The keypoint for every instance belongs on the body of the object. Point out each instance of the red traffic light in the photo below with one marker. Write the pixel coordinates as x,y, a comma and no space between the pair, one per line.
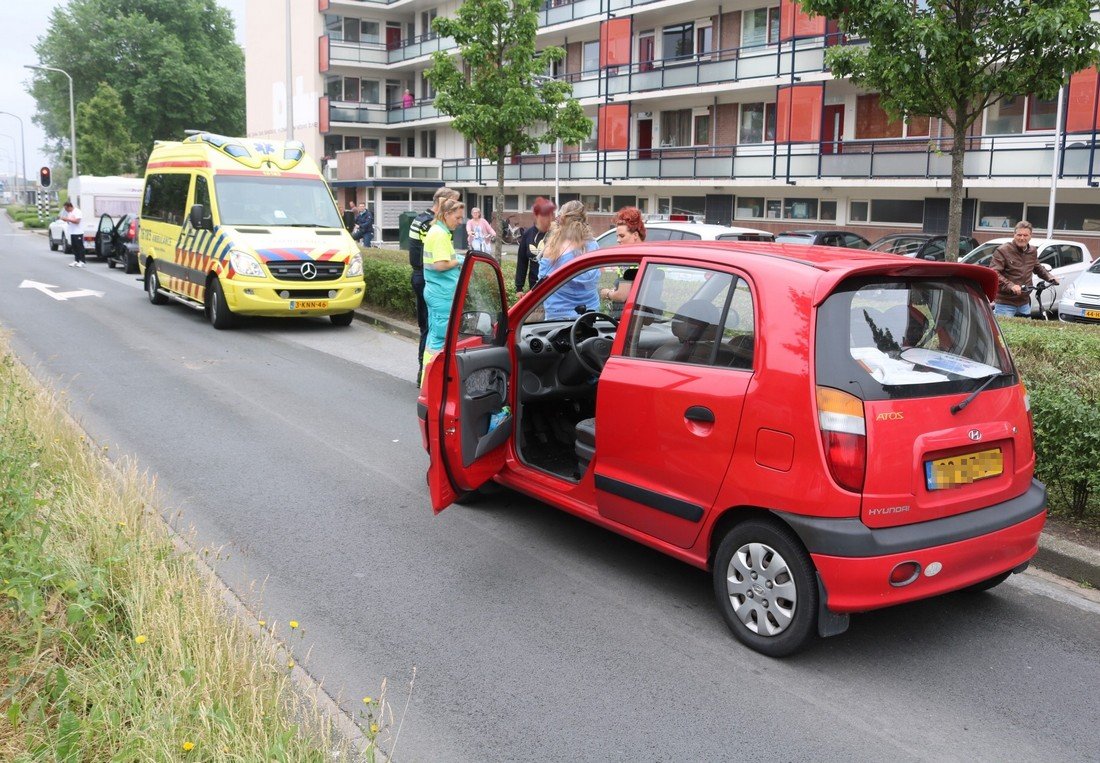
44,177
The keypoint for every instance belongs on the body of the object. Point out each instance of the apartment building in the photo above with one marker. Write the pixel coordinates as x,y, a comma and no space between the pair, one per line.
719,109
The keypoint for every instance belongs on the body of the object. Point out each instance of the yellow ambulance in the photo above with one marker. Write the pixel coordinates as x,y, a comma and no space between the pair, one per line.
234,226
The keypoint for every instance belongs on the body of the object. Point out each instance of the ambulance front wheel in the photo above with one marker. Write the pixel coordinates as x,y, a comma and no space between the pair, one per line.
152,285
221,317
342,319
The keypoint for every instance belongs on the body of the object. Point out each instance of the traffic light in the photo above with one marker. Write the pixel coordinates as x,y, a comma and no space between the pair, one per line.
44,178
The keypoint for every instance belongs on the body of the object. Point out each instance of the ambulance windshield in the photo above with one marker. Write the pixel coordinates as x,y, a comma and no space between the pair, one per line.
299,202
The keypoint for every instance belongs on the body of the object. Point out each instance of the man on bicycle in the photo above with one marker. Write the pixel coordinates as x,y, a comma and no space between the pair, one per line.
1015,262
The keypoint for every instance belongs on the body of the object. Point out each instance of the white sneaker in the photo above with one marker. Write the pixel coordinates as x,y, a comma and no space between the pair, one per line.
80,264
73,264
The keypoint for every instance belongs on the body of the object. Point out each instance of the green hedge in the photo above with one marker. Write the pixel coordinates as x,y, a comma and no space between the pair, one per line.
29,216
1058,362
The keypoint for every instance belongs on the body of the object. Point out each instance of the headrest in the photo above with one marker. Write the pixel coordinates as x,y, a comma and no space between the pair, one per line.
696,321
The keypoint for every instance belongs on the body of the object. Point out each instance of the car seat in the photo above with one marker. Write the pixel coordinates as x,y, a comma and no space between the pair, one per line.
585,446
695,326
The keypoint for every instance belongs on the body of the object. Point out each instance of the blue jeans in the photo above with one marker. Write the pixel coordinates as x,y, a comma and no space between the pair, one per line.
1012,311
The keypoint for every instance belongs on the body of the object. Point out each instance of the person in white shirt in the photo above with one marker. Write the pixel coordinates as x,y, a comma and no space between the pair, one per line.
73,218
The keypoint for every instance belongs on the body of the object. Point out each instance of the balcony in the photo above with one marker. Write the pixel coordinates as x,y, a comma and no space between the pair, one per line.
990,157
343,53
357,165
378,114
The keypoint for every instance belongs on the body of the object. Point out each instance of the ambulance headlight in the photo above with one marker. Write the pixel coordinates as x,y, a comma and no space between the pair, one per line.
355,266
245,264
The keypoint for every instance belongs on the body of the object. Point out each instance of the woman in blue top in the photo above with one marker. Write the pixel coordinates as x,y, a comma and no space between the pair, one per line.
441,270
570,238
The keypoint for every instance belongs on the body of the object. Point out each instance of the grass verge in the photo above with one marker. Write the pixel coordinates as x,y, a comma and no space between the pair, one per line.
112,644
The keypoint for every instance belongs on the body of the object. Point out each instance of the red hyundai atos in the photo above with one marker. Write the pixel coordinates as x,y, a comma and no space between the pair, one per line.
827,431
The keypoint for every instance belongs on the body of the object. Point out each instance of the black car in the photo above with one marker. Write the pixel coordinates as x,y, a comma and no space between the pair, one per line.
116,242
823,238
923,246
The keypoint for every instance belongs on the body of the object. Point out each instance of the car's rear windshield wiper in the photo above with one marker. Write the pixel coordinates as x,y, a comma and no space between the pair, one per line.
969,398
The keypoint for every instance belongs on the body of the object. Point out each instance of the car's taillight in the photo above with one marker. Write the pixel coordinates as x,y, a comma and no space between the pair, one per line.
1030,420
131,232
843,435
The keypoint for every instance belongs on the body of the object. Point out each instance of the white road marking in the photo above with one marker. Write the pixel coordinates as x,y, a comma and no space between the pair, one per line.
60,296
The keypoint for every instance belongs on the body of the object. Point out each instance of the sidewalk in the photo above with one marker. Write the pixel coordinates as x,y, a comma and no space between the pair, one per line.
1067,558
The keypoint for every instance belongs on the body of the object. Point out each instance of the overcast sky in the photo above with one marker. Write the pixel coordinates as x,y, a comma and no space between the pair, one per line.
23,23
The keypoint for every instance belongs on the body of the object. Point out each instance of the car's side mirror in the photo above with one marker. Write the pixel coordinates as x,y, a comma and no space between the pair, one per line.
196,215
476,323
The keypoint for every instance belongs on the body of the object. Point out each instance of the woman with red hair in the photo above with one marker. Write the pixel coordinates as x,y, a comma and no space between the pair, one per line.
629,229
531,244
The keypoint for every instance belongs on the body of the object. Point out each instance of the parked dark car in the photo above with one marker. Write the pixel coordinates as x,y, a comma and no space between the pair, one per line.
923,246
823,238
116,242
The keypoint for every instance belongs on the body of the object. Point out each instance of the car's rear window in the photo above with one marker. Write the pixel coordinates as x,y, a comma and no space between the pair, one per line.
901,338
794,238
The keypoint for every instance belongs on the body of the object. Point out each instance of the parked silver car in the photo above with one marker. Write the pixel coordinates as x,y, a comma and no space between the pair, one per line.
1080,301
1066,259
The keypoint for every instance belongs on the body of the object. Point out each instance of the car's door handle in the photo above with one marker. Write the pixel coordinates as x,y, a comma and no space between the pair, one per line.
699,413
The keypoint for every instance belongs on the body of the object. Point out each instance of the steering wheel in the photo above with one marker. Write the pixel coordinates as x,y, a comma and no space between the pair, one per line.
593,352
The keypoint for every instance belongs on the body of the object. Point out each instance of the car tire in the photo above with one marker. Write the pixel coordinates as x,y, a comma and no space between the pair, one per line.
766,588
342,319
985,585
221,317
65,247
152,285
53,244
111,263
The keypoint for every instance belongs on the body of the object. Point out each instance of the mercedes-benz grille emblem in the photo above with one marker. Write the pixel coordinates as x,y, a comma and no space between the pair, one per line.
309,271
974,434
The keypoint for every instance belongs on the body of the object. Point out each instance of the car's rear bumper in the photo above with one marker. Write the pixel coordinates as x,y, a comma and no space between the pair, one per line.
855,561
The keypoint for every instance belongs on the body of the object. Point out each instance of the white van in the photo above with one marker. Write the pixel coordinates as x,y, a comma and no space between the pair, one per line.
95,197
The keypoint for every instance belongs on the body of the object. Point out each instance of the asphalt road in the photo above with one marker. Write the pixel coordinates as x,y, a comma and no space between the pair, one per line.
293,446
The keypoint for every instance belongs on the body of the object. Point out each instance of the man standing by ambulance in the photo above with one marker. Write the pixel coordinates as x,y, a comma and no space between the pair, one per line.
74,228
418,229
1015,262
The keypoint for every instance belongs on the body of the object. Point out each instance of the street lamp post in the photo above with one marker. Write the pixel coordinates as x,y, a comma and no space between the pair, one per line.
22,152
72,109
543,79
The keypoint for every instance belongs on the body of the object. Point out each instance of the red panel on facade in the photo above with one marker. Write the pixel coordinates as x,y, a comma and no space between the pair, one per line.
1081,112
322,115
322,5
795,22
322,53
615,42
613,131
798,113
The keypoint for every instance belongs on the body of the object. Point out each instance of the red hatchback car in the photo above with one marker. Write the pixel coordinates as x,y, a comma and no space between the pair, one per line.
827,431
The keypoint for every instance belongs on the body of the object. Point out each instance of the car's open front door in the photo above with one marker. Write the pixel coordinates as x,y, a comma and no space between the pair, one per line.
468,386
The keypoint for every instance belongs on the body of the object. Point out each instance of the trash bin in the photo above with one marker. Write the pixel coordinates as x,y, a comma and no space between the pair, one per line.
404,222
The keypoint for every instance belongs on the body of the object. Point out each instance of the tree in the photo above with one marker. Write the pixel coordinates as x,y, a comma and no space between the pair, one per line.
174,64
952,59
103,134
500,99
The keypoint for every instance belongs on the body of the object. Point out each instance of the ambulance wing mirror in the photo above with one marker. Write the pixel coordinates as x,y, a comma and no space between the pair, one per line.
196,216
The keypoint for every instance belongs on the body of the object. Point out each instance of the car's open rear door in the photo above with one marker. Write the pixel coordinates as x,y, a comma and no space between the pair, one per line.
466,384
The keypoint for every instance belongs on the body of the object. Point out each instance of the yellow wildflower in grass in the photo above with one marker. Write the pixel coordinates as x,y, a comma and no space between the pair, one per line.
293,623
139,640
374,728
188,746
367,700
290,663
263,623
121,524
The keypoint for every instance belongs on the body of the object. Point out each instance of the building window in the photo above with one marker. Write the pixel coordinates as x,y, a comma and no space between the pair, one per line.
676,128
757,123
749,208
1075,217
664,205
1005,116
701,129
596,203
368,91
704,40
676,42
511,202
427,144
1042,113
426,19
898,211
760,26
1000,214
591,63
689,205
827,210
618,202
800,209
859,211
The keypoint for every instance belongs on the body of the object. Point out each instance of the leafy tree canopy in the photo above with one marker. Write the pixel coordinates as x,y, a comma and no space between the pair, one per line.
173,63
103,134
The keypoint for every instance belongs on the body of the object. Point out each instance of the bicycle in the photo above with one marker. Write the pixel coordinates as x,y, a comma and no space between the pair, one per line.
1037,291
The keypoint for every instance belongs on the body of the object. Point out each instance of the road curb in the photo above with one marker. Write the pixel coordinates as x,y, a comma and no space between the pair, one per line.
393,325
1068,559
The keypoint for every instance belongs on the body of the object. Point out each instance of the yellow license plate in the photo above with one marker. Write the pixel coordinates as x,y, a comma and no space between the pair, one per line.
1092,314
963,469
309,304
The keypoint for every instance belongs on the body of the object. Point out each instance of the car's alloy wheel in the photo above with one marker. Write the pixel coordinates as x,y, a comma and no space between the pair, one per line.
766,588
